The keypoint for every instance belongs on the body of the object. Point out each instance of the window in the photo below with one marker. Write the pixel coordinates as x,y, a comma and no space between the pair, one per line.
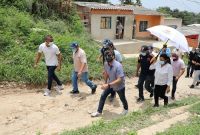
105,23
143,26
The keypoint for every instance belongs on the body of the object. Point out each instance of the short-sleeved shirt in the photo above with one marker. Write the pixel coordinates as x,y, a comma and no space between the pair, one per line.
115,71
80,58
50,54
145,64
118,56
177,66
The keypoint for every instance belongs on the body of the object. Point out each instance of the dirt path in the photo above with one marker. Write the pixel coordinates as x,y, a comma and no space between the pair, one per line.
27,113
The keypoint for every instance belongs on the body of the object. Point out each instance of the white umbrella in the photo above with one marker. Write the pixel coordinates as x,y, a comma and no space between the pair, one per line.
170,34
159,45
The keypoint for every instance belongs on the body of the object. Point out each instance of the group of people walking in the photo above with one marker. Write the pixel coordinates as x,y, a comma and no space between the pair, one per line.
156,73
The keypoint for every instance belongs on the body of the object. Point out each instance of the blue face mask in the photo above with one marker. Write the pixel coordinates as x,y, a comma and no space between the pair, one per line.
143,54
162,62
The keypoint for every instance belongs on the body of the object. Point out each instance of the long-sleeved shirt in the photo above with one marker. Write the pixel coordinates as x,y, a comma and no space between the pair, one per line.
163,75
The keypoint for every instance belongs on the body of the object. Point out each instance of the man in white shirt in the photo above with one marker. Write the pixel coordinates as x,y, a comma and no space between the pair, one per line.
53,61
178,70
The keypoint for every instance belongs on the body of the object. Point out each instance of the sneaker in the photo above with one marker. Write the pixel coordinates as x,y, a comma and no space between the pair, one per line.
95,114
74,92
173,98
192,86
156,105
139,100
94,89
47,92
61,87
58,90
124,112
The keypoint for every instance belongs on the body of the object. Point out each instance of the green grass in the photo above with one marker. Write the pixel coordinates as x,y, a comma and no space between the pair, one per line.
128,124
191,127
20,36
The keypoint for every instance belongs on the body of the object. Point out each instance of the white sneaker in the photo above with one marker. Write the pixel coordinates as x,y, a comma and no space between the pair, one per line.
95,114
47,92
61,87
124,112
58,91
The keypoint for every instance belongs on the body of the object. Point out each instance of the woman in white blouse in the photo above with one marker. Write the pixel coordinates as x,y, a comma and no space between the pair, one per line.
163,78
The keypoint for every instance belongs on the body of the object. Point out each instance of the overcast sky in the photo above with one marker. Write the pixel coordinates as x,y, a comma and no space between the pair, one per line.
189,5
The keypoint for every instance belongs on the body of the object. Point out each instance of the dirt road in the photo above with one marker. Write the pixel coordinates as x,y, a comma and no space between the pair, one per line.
28,113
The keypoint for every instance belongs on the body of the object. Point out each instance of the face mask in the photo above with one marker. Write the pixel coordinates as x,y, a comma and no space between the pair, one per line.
109,58
143,54
74,50
162,62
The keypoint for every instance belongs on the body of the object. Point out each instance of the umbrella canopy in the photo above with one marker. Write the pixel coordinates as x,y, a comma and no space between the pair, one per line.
175,38
159,45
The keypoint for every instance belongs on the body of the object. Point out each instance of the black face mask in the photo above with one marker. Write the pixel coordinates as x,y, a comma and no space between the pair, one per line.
109,58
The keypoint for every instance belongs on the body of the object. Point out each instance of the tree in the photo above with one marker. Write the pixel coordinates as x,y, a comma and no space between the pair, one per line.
187,17
130,2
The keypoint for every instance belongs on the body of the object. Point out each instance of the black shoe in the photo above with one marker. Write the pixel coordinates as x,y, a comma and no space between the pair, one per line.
186,76
197,83
94,89
155,105
192,86
136,86
151,95
139,100
74,92
173,98
166,102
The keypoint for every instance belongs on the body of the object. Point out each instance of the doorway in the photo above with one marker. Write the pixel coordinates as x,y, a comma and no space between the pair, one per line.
134,29
120,23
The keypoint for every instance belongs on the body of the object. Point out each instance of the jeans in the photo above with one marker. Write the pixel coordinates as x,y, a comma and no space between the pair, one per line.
190,69
142,79
174,86
52,76
104,95
196,77
160,92
84,78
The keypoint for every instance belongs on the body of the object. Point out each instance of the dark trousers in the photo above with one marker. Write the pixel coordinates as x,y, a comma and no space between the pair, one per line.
104,95
159,91
174,86
149,83
52,76
142,79
190,69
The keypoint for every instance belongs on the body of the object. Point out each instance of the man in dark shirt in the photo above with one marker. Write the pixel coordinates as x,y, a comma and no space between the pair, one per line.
196,62
190,67
145,74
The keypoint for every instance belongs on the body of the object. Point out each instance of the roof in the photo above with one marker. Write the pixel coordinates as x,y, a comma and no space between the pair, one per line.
136,10
190,30
95,5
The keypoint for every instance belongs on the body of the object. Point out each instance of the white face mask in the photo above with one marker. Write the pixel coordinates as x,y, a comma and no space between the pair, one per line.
49,44
162,62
